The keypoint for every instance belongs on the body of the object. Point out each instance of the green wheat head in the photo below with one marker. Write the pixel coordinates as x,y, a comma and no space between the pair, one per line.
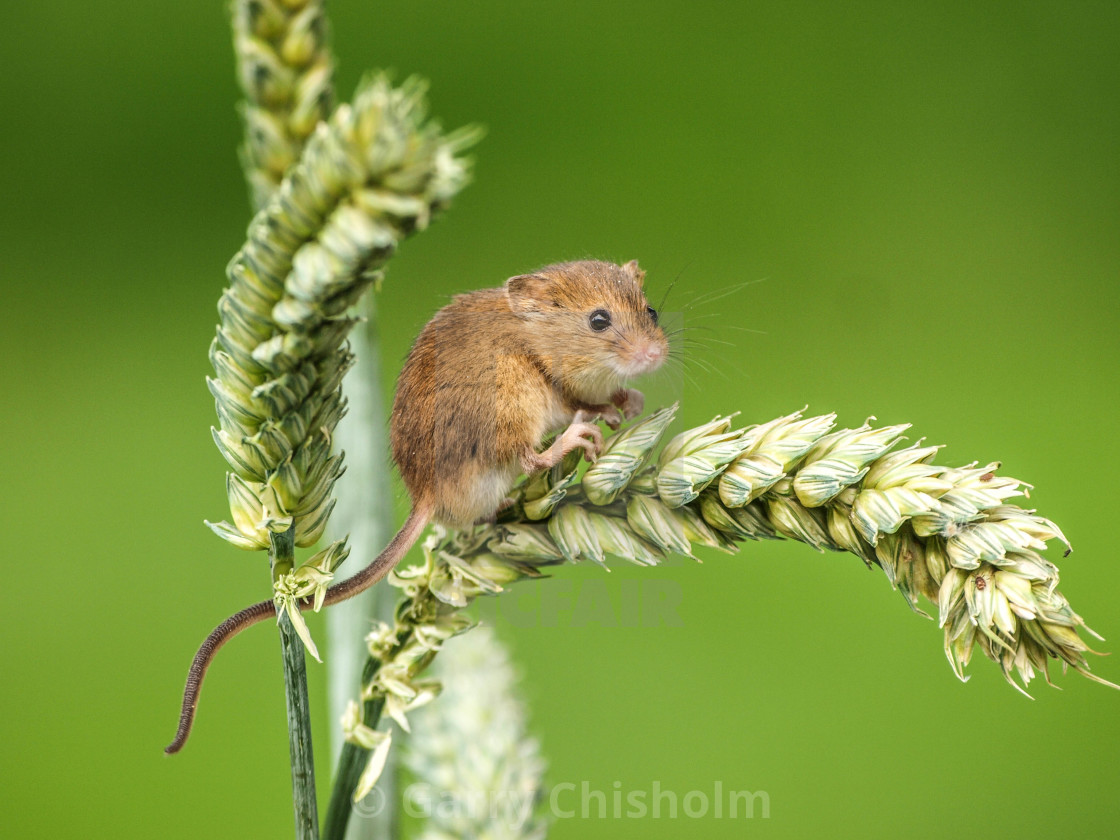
284,66
373,174
944,533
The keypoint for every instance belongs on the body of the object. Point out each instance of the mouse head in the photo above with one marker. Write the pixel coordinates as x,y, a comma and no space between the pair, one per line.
590,322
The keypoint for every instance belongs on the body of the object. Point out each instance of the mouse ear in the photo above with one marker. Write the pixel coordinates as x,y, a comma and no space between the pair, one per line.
632,269
527,293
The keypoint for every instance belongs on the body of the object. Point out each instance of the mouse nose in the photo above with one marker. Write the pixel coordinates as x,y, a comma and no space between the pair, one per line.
651,355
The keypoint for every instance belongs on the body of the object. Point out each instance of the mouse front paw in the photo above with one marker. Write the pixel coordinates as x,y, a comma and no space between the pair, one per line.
579,435
593,413
585,436
630,401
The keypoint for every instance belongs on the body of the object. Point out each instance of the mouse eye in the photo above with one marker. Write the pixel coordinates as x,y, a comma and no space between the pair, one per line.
652,314
600,319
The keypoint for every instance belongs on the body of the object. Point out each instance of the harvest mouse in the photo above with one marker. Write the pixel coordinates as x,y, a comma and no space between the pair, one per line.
490,376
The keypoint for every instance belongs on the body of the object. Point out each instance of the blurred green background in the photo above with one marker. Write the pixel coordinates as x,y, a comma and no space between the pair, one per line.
929,195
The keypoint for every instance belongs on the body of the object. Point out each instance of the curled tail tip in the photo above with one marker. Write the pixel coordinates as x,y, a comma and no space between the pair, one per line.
181,735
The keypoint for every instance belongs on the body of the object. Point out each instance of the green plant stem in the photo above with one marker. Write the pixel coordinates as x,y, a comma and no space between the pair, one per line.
281,554
363,516
351,763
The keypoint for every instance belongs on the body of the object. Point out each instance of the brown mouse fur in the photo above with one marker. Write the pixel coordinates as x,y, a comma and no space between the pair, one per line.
490,376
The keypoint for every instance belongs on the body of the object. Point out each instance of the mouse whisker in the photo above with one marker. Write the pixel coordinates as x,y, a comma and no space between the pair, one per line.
672,284
722,325
720,294
707,341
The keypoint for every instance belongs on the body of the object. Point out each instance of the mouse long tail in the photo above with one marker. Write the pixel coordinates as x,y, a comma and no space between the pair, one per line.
386,560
